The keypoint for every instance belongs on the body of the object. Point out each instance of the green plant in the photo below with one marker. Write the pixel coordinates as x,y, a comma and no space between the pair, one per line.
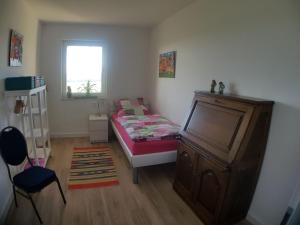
87,88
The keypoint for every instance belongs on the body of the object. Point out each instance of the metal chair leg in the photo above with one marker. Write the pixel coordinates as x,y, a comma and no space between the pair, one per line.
35,209
15,196
61,192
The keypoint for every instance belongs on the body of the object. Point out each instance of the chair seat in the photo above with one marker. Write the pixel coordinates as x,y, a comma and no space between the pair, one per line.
34,179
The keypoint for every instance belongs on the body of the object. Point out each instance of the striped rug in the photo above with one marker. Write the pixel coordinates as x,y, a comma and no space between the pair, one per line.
92,167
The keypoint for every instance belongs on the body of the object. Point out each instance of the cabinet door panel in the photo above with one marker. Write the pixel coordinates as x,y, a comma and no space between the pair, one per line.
185,166
209,189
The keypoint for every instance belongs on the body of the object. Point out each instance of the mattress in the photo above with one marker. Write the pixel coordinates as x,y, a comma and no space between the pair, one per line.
144,147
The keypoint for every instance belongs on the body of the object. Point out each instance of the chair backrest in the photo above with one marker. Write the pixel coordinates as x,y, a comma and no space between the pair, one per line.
13,146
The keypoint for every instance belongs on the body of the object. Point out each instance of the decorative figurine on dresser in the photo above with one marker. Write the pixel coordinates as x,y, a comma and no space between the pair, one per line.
213,86
220,154
221,87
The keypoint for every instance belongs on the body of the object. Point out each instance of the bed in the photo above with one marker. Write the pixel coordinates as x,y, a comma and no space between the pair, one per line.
144,152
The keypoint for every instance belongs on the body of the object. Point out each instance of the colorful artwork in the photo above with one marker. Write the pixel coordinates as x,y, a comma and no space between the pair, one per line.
167,63
16,49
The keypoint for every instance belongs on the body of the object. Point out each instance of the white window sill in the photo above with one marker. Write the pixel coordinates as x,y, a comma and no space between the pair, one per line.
79,98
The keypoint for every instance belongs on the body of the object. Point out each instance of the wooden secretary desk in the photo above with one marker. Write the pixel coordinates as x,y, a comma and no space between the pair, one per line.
220,155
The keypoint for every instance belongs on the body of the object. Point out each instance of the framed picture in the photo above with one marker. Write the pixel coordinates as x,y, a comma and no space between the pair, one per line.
167,63
15,49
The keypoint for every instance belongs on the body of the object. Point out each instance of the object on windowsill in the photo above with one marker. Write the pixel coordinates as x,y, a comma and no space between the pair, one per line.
69,92
213,86
221,87
88,89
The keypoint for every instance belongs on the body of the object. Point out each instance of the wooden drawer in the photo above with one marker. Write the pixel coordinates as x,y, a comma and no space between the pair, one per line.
98,125
98,136
226,103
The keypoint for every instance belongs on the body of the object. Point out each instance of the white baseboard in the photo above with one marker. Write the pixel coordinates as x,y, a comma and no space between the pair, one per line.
69,134
6,207
253,220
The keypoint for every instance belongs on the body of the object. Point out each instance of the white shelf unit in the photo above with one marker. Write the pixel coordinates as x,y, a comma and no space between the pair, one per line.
35,125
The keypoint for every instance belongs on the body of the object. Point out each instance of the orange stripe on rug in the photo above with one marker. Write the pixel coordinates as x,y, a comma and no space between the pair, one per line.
92,167
92,185
89,148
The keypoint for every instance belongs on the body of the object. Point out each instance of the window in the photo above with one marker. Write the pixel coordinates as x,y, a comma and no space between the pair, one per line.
83,69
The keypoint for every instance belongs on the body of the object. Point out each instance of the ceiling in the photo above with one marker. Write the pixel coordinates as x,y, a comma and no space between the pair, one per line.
118,12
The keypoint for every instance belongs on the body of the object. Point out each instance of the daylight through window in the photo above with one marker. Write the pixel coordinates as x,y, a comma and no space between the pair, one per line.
83,69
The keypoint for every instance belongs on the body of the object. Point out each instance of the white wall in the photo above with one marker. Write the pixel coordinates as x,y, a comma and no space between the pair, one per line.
254,47
16,15
127,56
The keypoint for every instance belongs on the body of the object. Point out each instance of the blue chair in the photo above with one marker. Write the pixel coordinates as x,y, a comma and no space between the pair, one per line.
13,149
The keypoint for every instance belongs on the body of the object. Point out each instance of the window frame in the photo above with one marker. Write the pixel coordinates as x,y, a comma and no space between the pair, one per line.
67,43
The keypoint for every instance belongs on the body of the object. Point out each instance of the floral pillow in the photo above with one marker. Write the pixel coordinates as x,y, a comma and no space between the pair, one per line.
117,104
127,107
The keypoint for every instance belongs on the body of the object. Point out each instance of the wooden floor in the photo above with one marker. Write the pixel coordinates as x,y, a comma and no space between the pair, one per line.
152,201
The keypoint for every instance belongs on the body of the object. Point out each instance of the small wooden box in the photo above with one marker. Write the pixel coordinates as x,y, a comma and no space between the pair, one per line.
98,128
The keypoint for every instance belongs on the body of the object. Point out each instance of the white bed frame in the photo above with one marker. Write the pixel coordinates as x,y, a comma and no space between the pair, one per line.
150,159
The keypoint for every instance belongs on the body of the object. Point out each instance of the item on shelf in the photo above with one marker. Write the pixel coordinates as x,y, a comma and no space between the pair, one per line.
213,86
23,83
41,161
221,87
19,106
19,83
39,81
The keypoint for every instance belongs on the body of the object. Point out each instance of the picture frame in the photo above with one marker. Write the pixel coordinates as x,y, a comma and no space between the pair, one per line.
167,64
15,49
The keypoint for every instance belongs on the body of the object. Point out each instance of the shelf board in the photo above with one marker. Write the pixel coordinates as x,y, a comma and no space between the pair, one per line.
40,153
35,111
24,92
37,133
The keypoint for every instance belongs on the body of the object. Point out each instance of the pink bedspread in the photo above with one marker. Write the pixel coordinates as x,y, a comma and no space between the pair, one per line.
144,147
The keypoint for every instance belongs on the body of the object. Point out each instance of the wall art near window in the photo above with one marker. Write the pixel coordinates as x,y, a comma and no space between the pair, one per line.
16,49
167,63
